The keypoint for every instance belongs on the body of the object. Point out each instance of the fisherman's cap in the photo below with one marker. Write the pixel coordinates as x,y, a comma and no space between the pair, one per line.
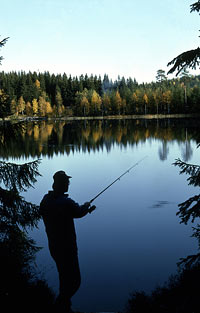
60,176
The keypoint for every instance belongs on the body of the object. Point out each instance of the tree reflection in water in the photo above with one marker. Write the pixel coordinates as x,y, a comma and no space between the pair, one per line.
46,138
18,289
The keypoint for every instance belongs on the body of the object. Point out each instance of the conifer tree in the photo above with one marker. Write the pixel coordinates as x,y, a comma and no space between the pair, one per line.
4,101
188,59
2,43
189,209
58,99
161,77
106,103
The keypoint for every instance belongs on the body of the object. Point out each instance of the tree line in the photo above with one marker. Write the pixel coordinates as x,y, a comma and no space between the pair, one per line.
45,94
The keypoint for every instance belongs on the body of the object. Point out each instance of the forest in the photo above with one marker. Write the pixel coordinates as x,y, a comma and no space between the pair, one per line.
45,95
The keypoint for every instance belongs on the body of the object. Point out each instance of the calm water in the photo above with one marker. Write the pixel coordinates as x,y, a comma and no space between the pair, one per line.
134,239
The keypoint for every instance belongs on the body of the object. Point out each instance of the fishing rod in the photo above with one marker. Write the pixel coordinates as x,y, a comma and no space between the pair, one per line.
118,178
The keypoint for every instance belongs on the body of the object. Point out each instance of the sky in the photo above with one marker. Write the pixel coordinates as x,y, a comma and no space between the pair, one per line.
115,37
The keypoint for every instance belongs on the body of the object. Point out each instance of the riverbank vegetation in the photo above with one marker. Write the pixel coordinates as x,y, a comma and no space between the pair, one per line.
46,95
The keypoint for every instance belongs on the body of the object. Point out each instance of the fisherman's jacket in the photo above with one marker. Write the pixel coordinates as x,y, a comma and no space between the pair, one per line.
58,213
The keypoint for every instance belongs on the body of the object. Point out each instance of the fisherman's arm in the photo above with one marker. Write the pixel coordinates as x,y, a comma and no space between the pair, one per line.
80,210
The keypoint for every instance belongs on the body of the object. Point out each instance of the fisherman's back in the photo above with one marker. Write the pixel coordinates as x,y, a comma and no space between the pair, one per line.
58,213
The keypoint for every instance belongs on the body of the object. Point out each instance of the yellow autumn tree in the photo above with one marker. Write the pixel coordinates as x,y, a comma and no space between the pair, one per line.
167,97
60,110
42,106
118,102
95,102
85,105
21,105
146,101
29,109
35,106
37,83
49,109
136,98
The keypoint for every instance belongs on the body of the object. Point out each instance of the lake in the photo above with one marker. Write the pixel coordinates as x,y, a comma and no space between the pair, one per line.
134,239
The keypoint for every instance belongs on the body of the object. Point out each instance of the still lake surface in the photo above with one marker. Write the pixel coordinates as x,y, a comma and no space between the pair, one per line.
134,239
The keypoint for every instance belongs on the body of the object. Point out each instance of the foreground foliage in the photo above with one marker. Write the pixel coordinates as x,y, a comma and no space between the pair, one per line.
180,294
187,59
20,290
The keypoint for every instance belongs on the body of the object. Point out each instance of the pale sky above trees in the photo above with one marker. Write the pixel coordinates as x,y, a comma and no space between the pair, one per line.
117,37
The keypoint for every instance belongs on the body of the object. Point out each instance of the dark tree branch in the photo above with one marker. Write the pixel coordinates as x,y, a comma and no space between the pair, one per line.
195,7
2,43
19,176
189,169
186,211
188,59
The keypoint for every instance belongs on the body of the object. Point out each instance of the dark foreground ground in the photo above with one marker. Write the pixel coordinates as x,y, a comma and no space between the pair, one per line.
179,295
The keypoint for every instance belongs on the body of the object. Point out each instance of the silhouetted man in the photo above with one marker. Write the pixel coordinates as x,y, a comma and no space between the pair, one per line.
58,212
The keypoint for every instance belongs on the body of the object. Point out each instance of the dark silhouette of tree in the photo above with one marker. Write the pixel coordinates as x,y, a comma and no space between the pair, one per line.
160,77
2,43
190,209
179,294
188,59
19,289
4,103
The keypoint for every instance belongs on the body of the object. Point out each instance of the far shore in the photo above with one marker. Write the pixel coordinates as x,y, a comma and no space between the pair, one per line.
109,117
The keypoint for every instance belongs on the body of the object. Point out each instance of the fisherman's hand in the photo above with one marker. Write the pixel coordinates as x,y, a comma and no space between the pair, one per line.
87,205
92,208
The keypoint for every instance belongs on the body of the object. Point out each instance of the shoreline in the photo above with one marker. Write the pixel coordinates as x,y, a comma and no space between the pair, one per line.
107,117
126,117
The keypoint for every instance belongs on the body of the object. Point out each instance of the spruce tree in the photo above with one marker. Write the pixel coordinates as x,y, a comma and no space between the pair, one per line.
190,58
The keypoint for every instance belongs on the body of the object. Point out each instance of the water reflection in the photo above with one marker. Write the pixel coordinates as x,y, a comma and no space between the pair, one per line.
144,243
180,292
47,138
